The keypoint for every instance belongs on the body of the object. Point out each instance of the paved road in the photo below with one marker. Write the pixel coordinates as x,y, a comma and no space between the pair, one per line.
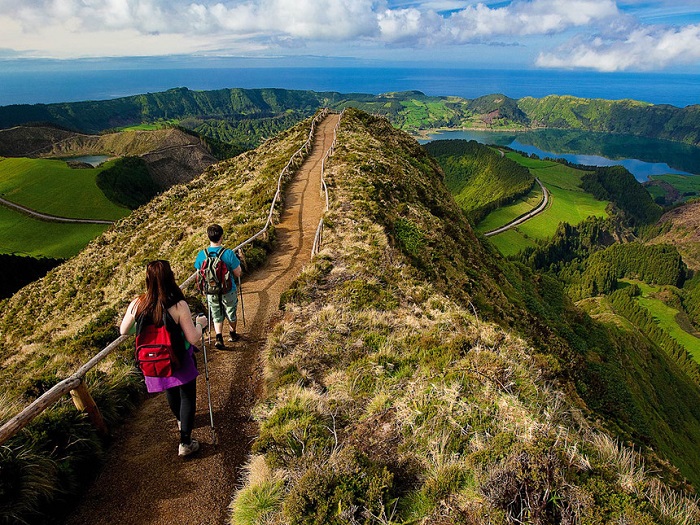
529,215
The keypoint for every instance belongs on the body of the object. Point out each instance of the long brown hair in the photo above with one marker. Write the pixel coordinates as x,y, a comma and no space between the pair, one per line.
161,292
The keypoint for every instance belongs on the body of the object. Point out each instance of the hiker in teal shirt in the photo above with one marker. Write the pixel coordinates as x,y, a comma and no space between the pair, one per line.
224,305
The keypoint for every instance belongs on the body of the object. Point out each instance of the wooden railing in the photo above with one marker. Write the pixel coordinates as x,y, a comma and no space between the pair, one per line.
318,238
75,383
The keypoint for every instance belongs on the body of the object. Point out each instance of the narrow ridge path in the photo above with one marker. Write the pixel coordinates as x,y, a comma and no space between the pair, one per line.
144,481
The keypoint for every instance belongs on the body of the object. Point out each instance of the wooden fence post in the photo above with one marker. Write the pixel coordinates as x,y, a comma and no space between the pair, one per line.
83,401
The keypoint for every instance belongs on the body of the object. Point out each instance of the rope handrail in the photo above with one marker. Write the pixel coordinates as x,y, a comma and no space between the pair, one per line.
324,187
23,418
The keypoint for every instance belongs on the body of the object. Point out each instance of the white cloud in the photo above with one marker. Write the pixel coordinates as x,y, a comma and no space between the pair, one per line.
80,28
528,18
644,48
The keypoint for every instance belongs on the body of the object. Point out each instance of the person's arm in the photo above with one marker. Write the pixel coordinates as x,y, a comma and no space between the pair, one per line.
234,263
129,318
191,329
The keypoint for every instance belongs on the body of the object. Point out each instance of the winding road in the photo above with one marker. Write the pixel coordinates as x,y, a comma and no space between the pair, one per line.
529,215
46,217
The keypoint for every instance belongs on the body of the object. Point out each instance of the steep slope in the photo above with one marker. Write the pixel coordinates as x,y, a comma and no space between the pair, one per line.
393,397
681,228
52,326
415,375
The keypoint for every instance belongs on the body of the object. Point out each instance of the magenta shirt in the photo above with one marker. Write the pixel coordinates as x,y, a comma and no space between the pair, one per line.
186,373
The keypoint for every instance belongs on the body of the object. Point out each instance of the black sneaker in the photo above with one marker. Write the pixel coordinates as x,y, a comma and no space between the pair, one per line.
219,344
233,337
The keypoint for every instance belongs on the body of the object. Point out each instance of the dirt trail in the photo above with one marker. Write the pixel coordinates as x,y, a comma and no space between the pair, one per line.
144,481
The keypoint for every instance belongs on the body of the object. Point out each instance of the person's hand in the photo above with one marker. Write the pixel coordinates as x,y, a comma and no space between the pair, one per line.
201,321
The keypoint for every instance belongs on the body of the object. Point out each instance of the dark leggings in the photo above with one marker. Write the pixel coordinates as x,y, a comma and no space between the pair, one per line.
182,400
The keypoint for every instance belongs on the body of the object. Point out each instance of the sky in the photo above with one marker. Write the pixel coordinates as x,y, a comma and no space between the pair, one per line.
596,35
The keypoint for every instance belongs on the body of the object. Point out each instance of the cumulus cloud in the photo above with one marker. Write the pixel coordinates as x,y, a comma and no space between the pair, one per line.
643,48
71,28
522,18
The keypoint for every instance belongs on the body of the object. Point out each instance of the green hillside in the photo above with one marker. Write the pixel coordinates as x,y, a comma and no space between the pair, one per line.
615,116
53,187
416,375
570,204
38,347
227,113
480,179
407,401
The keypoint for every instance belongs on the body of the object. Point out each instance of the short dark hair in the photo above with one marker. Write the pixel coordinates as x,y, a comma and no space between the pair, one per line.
215,232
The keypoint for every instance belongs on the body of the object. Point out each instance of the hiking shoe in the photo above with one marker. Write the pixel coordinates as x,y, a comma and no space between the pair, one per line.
219,344
233,337
185,450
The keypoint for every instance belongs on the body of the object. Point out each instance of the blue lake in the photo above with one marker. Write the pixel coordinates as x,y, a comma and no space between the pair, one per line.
641,156
94,160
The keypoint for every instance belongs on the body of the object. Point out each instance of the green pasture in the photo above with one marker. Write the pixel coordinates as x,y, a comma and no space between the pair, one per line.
420,114
150,126
567,203
688,185
52,187
504,215
665,316
22,235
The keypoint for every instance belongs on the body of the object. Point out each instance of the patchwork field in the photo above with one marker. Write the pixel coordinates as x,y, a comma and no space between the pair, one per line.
568,203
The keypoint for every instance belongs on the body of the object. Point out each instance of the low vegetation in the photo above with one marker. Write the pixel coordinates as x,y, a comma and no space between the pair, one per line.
49,461
393,397
48,239
224,113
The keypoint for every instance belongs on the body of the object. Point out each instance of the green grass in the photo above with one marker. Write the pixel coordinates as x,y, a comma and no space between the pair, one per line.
504,215
666,317
23,235
420,114
568,203
52,187
683,183
150,126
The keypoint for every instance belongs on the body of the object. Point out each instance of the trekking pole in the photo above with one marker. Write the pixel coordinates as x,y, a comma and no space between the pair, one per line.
240,293
240,290
214,440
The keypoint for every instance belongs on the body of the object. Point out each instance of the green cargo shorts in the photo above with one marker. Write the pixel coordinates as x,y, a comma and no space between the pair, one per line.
223,306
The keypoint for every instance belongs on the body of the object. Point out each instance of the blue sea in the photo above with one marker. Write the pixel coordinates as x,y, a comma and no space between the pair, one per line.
30,87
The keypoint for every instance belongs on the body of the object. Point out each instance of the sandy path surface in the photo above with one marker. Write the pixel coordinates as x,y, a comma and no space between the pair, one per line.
144,481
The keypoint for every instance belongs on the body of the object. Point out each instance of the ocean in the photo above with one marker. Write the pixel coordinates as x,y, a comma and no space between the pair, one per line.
31,87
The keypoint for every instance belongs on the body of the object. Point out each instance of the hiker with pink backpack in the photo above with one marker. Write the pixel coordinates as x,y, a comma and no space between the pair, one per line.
216,268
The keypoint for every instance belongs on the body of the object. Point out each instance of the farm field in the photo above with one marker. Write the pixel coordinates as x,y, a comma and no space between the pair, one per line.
22,235
52,187
568,203
666,317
